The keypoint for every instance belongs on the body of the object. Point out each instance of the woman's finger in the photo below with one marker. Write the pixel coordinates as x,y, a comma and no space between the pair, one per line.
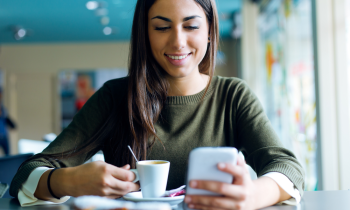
240,161
211,202
126,167
233,191
116,193
122,187
123,174
110,193
240,172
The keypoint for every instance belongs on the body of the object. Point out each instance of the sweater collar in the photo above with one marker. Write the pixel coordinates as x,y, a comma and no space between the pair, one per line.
191,99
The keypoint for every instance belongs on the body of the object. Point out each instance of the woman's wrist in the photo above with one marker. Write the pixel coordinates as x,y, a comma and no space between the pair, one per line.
60,182
267,192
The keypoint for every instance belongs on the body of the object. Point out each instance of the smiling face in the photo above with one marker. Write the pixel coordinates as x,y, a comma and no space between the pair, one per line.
178,33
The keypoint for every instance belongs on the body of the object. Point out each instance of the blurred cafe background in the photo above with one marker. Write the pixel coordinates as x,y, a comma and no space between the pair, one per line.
294,54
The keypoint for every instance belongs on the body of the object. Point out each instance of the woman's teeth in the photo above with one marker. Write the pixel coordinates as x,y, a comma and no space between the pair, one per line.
177,57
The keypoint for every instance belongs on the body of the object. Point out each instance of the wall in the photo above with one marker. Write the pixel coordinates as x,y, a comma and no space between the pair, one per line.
31,95
30,89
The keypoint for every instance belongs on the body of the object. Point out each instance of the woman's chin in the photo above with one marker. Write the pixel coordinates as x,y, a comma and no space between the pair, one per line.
179,74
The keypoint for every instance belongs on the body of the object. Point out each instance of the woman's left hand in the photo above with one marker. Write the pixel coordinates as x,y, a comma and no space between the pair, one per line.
238,195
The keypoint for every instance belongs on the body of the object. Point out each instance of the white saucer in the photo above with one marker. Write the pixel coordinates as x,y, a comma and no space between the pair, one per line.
137,197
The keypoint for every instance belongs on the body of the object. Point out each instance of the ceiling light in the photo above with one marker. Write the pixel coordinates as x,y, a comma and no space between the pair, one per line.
92,5
19,32
104,20
101,12
107,30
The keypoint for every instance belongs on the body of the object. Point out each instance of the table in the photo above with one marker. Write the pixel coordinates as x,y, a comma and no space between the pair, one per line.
319,200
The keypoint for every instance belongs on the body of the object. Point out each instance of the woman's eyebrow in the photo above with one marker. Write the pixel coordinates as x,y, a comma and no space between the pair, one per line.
168,20
190,17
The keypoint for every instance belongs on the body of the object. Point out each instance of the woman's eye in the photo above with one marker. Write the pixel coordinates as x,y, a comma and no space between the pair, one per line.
192,27
162,28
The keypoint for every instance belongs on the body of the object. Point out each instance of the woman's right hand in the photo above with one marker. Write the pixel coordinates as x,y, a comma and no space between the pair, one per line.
95,178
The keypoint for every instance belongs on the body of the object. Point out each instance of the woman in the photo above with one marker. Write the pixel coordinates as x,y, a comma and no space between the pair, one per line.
169,104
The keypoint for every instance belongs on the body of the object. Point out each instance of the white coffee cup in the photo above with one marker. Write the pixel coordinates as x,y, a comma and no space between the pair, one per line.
153,177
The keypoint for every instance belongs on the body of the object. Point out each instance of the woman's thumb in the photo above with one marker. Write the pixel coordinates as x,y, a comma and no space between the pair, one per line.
126,167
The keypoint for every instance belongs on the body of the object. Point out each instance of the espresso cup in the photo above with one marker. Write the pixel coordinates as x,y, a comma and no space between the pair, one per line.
153,177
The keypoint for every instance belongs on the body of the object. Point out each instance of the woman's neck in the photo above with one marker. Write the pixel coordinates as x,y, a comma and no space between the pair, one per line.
188,85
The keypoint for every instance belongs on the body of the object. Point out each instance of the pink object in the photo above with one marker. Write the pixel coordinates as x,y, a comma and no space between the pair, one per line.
181,192
175,192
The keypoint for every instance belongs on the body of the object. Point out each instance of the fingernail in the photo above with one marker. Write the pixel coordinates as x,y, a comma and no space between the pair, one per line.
191,206
187,199
193,184
221,165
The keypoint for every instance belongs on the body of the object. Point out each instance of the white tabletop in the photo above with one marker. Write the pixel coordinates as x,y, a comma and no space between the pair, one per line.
319,200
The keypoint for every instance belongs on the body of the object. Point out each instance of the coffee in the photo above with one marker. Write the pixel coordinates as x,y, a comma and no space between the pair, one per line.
151,162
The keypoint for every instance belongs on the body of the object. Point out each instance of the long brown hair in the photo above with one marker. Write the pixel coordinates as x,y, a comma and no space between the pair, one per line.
147,93
148,87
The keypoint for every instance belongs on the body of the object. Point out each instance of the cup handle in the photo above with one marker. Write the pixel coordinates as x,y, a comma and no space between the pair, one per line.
136,174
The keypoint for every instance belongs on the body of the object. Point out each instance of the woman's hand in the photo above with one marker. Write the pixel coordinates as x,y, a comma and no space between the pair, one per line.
238,195
100,178
96,178
242,194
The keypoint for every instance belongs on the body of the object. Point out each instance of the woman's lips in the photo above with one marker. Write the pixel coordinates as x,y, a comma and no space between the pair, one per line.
178,61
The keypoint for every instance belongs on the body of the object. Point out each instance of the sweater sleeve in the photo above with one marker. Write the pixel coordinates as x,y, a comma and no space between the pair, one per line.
82,128
259,142
26,194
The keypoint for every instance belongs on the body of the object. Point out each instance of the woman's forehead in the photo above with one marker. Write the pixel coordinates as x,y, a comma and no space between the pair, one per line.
176,9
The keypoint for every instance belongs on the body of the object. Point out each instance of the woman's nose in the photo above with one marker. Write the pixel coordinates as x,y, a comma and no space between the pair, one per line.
178,39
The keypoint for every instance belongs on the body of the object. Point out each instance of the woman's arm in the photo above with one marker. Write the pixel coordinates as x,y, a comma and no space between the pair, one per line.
86,127
103,180
260,144
243,193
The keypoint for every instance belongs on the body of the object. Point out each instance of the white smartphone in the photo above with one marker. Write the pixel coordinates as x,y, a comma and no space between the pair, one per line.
203,165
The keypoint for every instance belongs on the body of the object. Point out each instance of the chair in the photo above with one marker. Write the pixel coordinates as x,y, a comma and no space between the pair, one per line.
9,166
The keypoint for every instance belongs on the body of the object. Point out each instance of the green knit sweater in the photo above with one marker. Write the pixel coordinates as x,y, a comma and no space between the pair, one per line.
228,115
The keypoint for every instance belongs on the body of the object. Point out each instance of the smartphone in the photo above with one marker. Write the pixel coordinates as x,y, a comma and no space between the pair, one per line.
203,165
